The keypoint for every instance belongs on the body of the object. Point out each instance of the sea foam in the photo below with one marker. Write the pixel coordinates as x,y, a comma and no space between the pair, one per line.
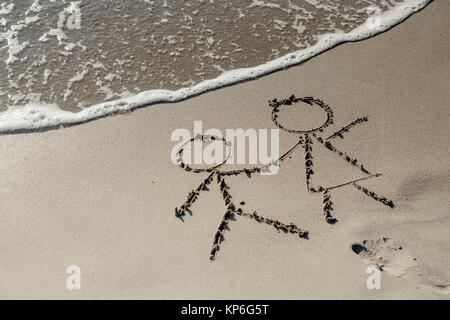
33,117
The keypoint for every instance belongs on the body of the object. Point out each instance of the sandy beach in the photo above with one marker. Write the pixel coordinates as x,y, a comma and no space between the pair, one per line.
101,195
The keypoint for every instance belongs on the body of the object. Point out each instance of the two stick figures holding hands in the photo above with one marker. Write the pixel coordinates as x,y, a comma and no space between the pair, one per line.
306,140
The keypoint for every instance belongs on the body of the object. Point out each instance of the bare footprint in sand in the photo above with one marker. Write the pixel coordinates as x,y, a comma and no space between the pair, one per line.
391,257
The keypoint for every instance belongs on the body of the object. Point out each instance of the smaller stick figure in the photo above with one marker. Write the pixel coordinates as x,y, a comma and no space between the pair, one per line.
306,141
230,208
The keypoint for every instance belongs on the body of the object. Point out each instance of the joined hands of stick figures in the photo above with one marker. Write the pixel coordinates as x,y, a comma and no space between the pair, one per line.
306,141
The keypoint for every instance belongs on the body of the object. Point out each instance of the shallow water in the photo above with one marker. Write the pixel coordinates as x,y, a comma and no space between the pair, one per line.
75,55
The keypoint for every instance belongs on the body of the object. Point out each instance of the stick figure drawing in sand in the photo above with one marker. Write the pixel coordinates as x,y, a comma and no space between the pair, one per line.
230,208
306,141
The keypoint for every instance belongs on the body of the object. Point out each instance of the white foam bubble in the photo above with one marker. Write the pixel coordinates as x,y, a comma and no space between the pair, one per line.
35,116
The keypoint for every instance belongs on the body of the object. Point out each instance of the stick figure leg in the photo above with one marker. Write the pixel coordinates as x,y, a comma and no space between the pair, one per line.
327,204
327,207
229,213
291,227
231,210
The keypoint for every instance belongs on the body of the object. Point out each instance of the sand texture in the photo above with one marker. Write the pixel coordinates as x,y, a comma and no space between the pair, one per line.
102,195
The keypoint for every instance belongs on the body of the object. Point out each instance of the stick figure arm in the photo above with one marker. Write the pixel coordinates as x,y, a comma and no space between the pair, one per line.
353,161
384,200
193,196
265,167
287,153
340,133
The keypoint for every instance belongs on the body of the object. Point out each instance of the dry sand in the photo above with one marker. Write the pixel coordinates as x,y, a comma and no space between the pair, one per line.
102,195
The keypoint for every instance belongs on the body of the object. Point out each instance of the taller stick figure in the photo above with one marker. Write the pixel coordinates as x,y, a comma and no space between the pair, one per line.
306,138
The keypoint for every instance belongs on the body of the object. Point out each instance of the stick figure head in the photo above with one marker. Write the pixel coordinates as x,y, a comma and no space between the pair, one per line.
292,101
200,139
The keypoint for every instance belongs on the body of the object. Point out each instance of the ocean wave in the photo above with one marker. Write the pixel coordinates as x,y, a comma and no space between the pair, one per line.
36,116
